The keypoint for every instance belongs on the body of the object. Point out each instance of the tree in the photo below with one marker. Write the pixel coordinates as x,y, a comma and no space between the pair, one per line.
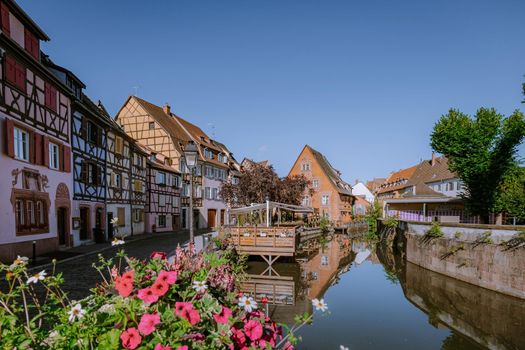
481,150
511,194
258,182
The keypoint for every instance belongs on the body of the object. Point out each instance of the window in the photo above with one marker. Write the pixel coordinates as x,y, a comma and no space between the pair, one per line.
31,44
450,186
93,133
324,260
139,160
176,181
162,220
325,199
207,192
54,153
306,201
214,193
151,125
30,215
15,73
91,174
235,181
208,154
118,180
119,146
50,96
138,215
185,190
161,178
305,167
219,157
162,200
225,159
315,183
21,144
208,171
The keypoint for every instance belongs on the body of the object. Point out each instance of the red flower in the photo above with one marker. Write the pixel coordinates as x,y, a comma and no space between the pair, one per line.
147,295
223,316
124,286
129,275
130,338
158,255
186,311
160,288
264,300
168,277
253,329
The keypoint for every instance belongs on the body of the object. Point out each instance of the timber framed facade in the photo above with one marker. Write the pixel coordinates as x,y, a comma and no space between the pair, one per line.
35,116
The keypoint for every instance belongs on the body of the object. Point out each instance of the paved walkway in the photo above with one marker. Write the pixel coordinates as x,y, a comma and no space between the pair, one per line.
79,274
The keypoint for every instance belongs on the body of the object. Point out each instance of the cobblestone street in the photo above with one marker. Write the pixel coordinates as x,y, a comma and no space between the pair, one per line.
80,276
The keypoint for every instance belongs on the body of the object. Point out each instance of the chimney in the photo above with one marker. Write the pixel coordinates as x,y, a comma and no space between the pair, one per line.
167,108
433,161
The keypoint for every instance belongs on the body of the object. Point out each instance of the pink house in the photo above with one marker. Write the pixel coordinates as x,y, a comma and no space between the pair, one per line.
35,135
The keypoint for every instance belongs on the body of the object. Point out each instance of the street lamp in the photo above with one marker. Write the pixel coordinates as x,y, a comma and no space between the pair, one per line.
190,157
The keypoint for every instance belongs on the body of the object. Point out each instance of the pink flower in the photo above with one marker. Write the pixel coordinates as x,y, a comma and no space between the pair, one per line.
183,347
147,296
168,277
148,322
238,337
186,311
158,255
222,317
162,347
160,288
129,276
124,286
130,338
253,329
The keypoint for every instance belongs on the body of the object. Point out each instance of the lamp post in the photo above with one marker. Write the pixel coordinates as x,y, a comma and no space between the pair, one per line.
190,157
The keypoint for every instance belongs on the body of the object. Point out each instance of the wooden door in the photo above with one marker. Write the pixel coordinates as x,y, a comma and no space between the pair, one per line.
61,225
110,226
211,217
84,223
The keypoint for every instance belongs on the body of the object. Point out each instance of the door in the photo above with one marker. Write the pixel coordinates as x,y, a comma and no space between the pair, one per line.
184,218
110,226
211,217
61,225
222,216
98,219
175,222
84,224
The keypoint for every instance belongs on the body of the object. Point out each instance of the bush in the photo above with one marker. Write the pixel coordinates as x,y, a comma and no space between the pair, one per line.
188,301
435,231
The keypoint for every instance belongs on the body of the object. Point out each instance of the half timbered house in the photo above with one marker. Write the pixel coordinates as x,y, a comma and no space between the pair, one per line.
35,116
164,185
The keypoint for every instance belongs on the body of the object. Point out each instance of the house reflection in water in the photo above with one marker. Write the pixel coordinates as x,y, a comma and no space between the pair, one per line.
292,285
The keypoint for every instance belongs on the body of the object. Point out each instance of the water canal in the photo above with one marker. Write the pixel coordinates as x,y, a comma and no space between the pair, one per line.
377,300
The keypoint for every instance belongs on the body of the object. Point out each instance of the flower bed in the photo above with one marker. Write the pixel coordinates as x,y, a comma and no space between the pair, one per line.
187,302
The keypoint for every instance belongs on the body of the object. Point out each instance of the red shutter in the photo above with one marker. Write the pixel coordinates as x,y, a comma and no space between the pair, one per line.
9,138
31,44
46,151
66,158
4,17
20,76
38,149
10,69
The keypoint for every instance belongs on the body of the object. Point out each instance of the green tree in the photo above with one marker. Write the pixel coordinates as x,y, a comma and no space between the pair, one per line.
481,150
511,197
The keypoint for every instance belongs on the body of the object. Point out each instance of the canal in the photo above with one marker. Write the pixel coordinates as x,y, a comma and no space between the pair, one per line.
377,300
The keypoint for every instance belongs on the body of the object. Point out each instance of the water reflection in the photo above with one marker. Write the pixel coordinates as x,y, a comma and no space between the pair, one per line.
378,301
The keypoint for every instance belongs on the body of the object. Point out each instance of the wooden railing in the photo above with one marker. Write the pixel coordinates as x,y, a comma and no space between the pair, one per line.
279,290
264,240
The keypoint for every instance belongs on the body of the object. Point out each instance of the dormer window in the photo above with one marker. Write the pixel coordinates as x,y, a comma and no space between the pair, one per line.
219,157
225,159
153,157
208,154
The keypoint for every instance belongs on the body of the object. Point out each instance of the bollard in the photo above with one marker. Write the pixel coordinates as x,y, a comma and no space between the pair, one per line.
34,252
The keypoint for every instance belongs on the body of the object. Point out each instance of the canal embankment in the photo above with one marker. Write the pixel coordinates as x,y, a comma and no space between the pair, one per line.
488,256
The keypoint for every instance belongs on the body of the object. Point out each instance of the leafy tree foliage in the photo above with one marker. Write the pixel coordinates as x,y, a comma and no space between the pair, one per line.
481,150
259,182
511,198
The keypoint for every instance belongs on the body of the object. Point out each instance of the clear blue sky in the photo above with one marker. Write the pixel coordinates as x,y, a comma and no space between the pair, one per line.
361,81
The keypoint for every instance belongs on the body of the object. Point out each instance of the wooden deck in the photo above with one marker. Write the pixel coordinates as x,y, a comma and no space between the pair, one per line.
264,241
280,290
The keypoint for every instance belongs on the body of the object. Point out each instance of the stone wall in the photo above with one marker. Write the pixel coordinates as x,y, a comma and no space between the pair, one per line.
486,265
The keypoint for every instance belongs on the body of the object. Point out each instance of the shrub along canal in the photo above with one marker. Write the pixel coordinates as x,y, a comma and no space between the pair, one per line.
377,300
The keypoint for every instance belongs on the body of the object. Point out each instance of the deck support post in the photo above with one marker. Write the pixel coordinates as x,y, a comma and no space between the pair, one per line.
270,259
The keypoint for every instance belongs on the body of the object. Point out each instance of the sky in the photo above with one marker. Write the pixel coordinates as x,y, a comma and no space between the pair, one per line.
363,82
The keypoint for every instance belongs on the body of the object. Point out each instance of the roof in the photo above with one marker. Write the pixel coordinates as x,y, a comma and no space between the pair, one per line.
159,162
333,174
397,180
428,171
26,19
180,130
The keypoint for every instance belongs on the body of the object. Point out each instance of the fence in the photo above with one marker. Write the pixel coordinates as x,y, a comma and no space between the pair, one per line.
433,215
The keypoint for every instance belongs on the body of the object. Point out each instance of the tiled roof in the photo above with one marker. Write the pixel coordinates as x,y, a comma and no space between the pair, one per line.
397,180
427,172
333,174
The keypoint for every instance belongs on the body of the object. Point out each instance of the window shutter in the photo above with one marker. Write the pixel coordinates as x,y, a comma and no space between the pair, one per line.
66,159
20,79
84,171
4,17
99,175
46,151
39,160
9,138
10,69
141,215
83,128
31,140
121,216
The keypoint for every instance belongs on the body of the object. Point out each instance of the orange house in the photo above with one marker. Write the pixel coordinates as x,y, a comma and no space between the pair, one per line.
329,194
